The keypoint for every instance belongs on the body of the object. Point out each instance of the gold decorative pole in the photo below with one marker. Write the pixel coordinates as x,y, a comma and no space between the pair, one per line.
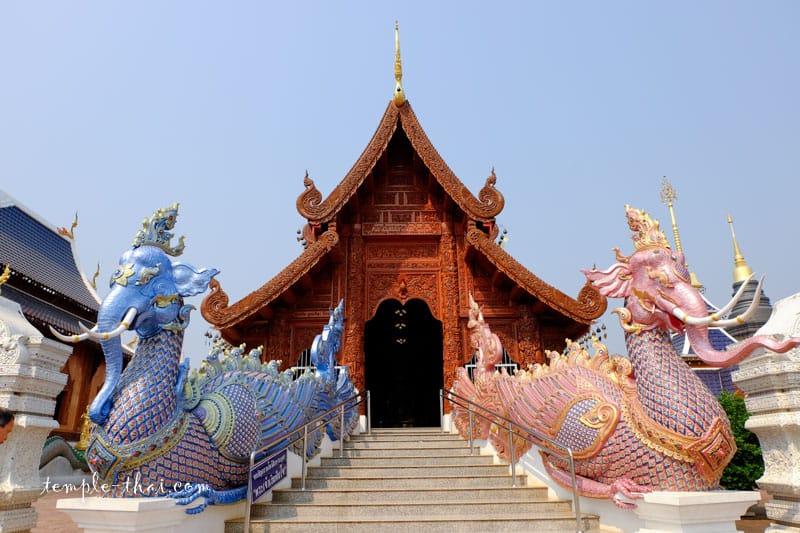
741,270
668,197
399,96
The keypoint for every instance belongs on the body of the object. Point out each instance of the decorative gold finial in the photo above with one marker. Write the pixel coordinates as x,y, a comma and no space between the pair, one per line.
86,432
741,270
399,96
5,275
668,197
93,283
70,232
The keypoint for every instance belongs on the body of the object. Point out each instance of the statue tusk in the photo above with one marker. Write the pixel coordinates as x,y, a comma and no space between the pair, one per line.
681,315
724,311
68,338
741,319
713,320
124,324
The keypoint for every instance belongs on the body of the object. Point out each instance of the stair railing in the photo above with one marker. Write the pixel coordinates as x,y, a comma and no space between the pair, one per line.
513,429
301,433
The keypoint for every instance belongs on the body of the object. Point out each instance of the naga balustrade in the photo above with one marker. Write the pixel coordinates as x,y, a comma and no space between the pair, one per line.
302,434
514,430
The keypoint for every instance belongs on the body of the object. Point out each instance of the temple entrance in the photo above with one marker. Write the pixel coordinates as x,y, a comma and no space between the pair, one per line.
404,364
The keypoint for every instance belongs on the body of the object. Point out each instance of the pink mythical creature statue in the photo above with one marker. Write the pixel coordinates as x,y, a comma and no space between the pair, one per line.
645,422
482,390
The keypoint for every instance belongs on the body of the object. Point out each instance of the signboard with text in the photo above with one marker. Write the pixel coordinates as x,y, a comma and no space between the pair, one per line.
266,473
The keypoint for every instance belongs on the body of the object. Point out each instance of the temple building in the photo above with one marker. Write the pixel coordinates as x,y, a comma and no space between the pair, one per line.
720,379
403,242
44,279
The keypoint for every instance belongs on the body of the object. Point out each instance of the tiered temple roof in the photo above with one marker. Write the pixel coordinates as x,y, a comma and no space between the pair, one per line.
45,278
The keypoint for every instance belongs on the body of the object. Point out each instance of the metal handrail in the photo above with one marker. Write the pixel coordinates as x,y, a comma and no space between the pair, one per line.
528,433
320,420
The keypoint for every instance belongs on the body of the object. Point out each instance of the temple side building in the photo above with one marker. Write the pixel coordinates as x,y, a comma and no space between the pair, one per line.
51,290
721,379
403,242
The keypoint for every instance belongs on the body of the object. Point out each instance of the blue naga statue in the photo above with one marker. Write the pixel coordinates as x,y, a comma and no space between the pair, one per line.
160,430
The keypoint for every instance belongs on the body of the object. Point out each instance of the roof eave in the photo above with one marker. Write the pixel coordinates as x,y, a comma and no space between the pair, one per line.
218,313
588,306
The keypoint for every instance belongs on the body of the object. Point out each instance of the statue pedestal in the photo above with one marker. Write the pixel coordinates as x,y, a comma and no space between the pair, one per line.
771,383
693,512
30,380
155,515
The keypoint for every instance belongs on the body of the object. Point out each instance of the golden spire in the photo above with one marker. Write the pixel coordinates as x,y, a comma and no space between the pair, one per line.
668,197
399,96
741,270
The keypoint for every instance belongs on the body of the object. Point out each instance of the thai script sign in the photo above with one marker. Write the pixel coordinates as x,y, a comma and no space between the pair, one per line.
266,473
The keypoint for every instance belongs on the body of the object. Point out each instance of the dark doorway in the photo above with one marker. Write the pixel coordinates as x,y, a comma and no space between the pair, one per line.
403,364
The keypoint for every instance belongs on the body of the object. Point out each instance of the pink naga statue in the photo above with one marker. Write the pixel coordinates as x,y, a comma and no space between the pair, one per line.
481,389
641,423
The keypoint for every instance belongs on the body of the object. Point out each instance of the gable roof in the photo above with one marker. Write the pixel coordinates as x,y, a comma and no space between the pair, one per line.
319,212
40,257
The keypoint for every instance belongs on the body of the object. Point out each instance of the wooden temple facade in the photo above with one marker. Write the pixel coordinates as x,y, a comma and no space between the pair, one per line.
403,242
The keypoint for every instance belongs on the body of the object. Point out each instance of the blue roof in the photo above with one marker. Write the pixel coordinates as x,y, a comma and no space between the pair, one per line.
39,253
716,336
43,314
717,379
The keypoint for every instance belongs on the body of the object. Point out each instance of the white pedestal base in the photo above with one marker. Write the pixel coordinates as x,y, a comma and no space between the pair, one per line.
155,515
693,512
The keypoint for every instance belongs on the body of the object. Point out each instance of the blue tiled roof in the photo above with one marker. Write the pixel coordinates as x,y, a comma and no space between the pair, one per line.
37,252
717,337
717,379
43,314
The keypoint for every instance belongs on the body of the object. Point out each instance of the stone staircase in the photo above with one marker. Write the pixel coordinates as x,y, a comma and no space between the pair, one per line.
415,479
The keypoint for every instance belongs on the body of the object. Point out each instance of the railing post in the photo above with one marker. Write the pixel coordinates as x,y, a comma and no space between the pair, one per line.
441,409
341,434
575,496
369,414
469,410
248,501
511,455
303,458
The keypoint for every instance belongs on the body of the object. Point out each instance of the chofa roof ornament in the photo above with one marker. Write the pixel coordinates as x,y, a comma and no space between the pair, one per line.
155,231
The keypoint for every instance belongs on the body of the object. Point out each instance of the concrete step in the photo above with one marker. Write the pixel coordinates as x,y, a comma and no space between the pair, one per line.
404,443
465,496
409,471
391,510
380,483
443,437
421,480
408,460
378,451
450,524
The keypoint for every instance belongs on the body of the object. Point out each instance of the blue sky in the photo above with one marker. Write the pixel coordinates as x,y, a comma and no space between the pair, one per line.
113,109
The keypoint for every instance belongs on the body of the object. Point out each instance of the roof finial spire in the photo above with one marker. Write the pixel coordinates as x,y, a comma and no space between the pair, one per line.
668,196
741,270
399,96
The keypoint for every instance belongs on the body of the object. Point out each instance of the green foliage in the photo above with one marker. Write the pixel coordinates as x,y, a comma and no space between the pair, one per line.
747,465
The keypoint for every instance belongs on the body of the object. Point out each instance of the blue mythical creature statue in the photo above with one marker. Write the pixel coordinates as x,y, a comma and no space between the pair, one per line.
335,389
159,430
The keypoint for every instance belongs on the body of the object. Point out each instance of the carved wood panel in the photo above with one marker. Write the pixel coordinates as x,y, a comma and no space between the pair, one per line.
353,342
405,285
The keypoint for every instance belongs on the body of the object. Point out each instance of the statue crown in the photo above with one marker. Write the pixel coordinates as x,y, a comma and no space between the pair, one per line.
155,231
646,231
